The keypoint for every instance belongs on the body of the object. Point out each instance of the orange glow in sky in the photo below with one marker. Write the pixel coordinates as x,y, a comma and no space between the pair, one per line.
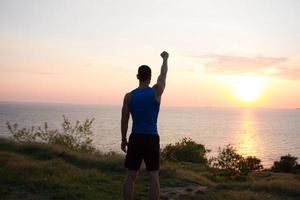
222,53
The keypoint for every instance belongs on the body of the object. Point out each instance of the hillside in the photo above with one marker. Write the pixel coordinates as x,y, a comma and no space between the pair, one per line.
42,171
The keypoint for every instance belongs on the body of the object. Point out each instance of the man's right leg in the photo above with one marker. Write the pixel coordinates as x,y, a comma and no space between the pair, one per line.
128,187
154,185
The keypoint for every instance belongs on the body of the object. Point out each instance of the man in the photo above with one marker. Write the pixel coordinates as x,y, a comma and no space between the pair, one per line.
143,104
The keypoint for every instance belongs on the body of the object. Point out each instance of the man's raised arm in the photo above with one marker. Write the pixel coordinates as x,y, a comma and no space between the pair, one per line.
161,80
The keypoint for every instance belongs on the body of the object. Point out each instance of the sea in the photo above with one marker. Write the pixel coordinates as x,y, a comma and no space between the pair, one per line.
261,132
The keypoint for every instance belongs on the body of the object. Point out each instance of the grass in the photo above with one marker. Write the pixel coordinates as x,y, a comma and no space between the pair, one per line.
42,171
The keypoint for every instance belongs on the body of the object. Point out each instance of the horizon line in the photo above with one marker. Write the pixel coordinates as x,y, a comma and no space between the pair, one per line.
165,106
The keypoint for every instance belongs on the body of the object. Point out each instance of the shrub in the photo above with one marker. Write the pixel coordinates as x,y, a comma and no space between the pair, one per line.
76,138
250,164
185,150
228,161
231,163
287,164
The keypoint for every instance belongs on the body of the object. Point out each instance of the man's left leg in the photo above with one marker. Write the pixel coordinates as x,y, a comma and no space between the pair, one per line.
128,187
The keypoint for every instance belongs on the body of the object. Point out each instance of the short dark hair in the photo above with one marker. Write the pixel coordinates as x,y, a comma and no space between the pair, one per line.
144,73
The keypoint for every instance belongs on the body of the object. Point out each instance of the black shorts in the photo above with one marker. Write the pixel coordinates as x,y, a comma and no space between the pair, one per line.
143,147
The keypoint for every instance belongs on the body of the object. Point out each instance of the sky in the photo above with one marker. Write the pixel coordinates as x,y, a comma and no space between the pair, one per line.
222,53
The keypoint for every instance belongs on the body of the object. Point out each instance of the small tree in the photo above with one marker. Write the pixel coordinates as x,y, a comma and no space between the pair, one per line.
287,164
231,163
250,164
228,160
185,150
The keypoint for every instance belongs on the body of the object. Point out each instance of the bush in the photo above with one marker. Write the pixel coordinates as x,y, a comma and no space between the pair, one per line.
185,150
76,138
228,161
287,164
231,163
250,164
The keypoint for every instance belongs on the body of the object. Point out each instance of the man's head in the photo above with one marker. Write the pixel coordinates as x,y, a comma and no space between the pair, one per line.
144,73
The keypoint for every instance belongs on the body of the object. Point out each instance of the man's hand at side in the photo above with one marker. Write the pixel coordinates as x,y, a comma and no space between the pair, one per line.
124,145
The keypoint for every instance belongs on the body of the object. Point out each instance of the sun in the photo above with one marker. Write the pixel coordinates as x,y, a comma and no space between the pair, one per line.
248,89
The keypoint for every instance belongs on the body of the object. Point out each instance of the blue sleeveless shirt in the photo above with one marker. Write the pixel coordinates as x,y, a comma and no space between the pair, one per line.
144,110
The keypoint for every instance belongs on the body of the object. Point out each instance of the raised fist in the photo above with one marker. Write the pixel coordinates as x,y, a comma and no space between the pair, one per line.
164,55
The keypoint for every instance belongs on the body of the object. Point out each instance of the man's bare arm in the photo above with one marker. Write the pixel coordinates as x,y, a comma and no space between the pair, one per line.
124,121
161,80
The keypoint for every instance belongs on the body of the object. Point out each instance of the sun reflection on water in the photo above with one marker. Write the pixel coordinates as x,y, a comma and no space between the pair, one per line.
247,143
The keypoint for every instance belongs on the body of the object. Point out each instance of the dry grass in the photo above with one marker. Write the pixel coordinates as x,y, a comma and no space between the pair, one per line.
40,171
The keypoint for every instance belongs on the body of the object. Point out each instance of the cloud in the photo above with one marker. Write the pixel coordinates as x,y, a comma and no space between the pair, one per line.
28,71
279,67
43,73
290,73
